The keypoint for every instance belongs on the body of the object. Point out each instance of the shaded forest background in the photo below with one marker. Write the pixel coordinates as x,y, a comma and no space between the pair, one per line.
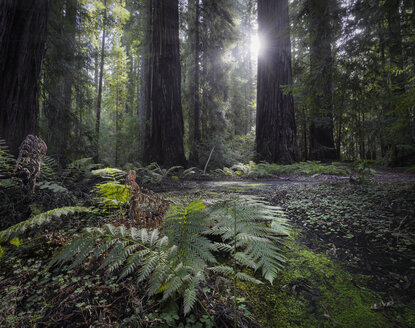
352,85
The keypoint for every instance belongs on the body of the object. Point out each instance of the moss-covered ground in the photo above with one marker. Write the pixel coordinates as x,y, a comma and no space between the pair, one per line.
350,262
351,257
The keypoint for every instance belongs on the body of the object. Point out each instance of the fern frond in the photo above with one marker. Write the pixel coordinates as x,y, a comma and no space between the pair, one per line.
48,168
145,254
39,220
255,228
185,227
246,277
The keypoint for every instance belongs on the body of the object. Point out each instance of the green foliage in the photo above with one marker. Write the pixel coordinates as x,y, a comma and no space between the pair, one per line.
264,169
185,227
112,192
48,168
144,253
39,220
7,161
361,172
54,187
177,262
153,173
251,232
79,171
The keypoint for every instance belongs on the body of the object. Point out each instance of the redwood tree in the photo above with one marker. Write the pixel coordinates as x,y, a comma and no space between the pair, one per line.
23,25
275,129
166,140
321,60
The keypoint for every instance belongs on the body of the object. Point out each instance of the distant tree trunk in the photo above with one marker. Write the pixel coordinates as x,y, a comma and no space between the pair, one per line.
117,128
195,134
68,78
275,129
395,44
23,25
321,127
397,82
101,75
166,143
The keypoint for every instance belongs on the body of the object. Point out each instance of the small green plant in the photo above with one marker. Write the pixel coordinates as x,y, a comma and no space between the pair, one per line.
361,172
153,173
112,192
80,171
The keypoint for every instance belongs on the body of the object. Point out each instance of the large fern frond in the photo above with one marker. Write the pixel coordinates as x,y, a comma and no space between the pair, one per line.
143,253
39,220
185,227
251,232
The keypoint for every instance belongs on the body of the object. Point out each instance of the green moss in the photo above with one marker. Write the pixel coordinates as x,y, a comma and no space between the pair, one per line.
315,291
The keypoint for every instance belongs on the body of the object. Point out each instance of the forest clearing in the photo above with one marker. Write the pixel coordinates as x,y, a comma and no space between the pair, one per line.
207,163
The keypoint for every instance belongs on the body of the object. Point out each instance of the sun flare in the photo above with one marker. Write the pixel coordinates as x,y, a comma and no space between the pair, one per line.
256,45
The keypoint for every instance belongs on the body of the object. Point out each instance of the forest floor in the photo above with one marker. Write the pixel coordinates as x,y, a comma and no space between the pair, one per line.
350,259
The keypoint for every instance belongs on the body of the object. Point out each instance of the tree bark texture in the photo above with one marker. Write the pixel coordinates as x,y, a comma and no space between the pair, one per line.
195,113
166,142
275,128
23,25
144,113
321,61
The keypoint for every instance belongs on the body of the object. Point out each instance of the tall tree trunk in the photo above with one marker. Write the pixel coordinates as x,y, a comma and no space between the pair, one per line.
275,129
23,25
144,113
166,144
321,61
397,82
68,77
117,128
101,75
195,119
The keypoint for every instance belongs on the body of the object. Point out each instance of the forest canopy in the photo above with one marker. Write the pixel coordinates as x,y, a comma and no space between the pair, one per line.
172,82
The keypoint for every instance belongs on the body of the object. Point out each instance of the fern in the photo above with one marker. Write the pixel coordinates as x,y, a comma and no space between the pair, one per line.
175,259
79,171
251,231
7,164
39,220
110,173
48,168
51,186
112,192
185,227
153,173
143,253
7,161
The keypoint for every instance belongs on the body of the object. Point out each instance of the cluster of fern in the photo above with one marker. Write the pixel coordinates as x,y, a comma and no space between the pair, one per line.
177,259
265,169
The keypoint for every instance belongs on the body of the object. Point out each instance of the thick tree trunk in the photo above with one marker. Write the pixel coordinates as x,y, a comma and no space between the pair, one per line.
195,119
275,129
23,25
101,76
321,127
144,113
166,144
